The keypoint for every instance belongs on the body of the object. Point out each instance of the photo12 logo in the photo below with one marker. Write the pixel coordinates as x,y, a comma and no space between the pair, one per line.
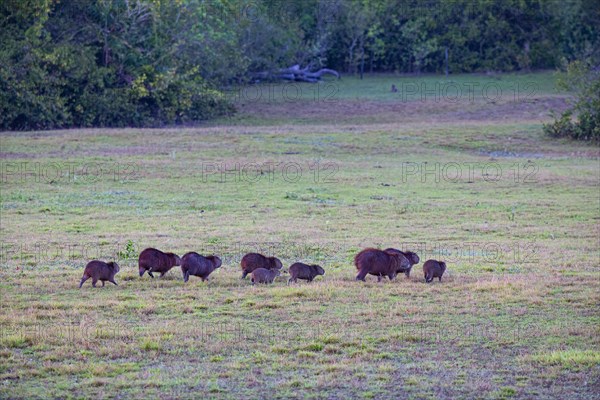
289,92
25,255
67,172
454,92
269,171
468,172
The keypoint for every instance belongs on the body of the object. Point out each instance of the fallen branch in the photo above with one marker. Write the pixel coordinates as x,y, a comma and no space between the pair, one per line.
295,73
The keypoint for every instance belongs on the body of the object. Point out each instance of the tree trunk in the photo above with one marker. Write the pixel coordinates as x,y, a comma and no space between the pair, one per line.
295,73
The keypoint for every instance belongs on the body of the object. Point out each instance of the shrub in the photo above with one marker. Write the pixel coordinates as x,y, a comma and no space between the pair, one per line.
582,121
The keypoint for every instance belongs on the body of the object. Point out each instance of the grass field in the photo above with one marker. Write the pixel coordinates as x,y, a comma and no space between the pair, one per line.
471,180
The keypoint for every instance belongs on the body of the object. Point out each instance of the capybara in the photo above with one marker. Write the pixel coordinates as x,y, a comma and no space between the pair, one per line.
153,260
304,271
194,264
263,275
100,271
379,263
433,269
252,261
412,258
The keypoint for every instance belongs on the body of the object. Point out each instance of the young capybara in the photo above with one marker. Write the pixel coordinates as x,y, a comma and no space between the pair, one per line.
412,258
100,271
263,275
304,271
194,264
379,263
433,269
252,261
153,260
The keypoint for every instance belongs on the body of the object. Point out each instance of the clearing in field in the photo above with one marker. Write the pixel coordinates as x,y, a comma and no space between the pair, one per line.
310,173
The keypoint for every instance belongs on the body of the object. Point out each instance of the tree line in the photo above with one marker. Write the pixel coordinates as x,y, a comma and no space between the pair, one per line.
82,63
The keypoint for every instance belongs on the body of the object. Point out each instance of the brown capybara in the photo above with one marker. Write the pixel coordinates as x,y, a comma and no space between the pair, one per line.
379,263
433,269
263,275
252,261
304,271
100,271
412,258
153,260
194,264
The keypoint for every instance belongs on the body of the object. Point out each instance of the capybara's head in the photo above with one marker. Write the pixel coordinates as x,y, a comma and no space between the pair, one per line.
114,266
319,269
276,273
174,259
276,263
412,257
443,265
142,270
217,261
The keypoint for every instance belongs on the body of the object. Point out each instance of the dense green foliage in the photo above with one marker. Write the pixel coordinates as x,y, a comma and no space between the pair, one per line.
151,62
584,80
105,63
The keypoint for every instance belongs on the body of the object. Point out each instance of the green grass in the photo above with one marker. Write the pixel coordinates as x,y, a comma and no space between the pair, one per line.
569,359
516,309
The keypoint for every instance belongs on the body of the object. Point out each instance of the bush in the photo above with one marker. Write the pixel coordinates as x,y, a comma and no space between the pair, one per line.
582,121
131,72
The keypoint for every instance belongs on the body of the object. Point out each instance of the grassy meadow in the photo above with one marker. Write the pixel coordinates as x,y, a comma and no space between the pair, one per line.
455,171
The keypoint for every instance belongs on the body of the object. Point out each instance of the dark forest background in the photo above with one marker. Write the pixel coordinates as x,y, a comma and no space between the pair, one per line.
152,62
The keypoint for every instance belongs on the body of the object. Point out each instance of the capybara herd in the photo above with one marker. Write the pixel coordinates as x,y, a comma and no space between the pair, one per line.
380,263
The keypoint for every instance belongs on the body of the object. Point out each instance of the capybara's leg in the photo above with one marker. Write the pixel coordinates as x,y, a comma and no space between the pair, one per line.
310,279
85,278
103,282
407,273
440,278
150,273
252,280
290,281
162,274
94,280
113,281
186,276
361,275
244,275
